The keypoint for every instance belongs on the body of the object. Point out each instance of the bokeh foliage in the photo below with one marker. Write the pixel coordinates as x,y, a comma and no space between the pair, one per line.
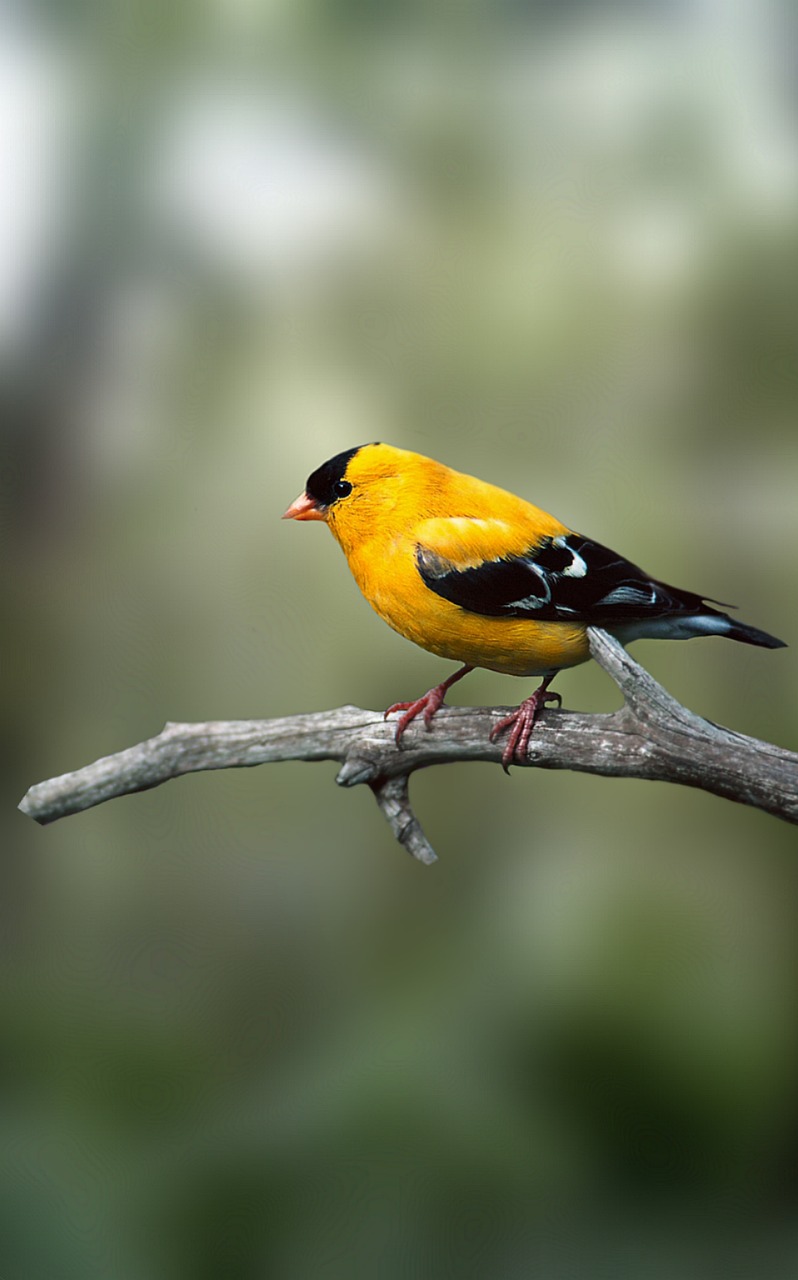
554,245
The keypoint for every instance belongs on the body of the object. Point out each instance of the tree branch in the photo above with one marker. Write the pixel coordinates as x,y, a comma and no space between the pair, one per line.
652,736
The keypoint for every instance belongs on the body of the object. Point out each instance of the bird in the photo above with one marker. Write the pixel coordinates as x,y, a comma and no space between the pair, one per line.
479,576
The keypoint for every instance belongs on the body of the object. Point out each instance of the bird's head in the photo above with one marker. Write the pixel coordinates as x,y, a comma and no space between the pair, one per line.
364,489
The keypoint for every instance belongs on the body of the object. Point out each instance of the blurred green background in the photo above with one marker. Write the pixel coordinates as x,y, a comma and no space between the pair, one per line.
243,1035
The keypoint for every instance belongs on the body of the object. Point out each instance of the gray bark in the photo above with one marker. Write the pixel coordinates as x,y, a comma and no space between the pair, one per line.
652,736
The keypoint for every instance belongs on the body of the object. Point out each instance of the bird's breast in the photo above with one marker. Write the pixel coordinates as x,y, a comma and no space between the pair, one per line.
387,575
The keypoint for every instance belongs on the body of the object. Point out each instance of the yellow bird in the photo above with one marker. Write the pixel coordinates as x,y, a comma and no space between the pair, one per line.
477,575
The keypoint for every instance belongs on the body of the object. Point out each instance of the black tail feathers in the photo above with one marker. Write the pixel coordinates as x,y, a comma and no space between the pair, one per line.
752,635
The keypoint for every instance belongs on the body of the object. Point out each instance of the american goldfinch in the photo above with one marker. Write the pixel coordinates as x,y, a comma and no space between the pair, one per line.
479,576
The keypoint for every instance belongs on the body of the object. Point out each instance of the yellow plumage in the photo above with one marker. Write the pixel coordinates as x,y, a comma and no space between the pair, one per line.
480,576
408,500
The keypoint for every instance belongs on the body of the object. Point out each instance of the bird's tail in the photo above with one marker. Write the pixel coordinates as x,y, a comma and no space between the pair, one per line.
705,621
713,622
752,635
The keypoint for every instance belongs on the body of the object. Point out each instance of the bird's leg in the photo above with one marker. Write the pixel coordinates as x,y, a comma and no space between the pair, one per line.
429,703
521,723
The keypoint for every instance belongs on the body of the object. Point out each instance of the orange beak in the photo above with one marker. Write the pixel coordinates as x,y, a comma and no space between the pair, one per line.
304,508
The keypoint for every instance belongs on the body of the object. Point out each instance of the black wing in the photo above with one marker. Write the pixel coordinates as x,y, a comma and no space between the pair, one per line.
564,579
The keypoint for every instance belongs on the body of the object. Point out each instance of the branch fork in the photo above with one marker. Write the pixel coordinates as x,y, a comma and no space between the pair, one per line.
652,736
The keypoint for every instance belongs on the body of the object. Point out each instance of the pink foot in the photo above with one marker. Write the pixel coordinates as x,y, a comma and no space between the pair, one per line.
521,723
428,704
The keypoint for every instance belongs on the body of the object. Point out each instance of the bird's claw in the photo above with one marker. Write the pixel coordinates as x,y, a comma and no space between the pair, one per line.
428,705
521,722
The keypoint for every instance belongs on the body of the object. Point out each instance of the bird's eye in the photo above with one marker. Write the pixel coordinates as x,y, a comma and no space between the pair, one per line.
341,488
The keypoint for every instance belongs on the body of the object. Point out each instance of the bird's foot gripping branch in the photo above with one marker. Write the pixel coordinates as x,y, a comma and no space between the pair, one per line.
652,736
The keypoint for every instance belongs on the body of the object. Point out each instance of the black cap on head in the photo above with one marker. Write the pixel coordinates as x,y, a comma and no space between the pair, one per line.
321,484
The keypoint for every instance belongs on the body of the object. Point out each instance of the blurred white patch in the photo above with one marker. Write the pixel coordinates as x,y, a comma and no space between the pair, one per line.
656,243
263,187
651,135
751,97
38,99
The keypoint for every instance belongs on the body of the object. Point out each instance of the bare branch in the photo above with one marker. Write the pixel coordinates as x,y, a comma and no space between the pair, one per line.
652,736
393,799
